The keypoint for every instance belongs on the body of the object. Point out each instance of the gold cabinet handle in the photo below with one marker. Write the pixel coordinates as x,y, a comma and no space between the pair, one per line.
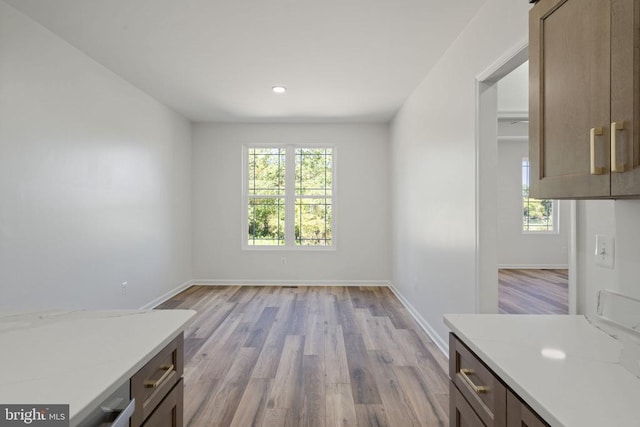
155,384
595,170
616,166
477,388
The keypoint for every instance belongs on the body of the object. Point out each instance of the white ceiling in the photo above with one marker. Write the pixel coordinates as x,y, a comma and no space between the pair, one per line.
216,60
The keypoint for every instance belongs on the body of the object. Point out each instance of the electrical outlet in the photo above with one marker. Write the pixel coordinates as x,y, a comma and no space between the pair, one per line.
605,251
123,287
283,260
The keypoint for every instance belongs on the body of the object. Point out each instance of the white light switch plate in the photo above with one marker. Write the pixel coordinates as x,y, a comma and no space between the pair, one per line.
605,251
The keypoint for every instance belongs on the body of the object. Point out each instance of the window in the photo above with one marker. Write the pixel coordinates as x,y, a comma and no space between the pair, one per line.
288,196
539,215
266,195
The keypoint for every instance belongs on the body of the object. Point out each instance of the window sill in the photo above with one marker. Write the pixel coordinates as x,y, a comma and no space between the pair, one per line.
288,248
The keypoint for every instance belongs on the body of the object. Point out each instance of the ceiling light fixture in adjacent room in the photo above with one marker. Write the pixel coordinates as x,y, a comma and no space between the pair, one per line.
279,89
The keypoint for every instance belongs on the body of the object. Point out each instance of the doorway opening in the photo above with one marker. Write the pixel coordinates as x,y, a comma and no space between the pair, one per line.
525,264
532,234
533,291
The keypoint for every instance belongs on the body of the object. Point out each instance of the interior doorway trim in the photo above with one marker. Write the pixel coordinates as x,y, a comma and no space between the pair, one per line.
486,267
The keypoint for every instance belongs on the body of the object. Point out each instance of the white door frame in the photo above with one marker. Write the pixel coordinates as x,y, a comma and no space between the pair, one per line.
486,185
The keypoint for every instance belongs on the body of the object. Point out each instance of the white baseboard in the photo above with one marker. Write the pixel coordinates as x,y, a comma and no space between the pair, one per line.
533,266
214,282
162,298
426,327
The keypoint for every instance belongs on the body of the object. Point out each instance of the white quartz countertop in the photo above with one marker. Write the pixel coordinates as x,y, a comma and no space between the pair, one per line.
78,357
571,371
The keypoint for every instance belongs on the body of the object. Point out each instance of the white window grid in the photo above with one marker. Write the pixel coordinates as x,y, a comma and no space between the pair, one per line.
290,197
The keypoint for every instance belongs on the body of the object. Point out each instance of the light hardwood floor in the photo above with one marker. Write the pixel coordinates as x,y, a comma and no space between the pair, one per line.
308,356
533,291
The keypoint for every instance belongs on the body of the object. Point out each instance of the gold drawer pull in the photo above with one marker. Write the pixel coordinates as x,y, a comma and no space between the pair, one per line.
155,384
477,388
617,165
595,169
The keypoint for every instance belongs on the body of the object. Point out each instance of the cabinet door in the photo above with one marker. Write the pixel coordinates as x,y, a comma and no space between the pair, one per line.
480,387
519,414
170,412
460,412
625,97
155,379
569,96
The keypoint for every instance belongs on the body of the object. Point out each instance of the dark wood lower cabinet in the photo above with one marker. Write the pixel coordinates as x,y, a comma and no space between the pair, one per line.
479,398
520,415
170,412
478,385
460,412
158,388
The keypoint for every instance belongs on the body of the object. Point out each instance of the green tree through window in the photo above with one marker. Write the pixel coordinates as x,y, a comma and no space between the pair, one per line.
266,188
314,185
538,214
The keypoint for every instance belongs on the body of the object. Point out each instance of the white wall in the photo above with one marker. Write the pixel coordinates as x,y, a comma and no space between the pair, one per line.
615,218
94,180
594,217
513,90
515,248
434,169
362,210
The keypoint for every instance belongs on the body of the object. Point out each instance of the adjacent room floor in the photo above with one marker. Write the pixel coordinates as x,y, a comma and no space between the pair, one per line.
533,291
313,356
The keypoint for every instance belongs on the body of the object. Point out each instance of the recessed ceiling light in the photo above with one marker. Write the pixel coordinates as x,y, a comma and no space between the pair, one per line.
279,89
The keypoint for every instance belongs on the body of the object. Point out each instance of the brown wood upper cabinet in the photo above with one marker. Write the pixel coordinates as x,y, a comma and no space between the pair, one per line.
584,99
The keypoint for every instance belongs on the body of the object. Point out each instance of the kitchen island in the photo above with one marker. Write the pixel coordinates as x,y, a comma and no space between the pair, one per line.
79,358
573,371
